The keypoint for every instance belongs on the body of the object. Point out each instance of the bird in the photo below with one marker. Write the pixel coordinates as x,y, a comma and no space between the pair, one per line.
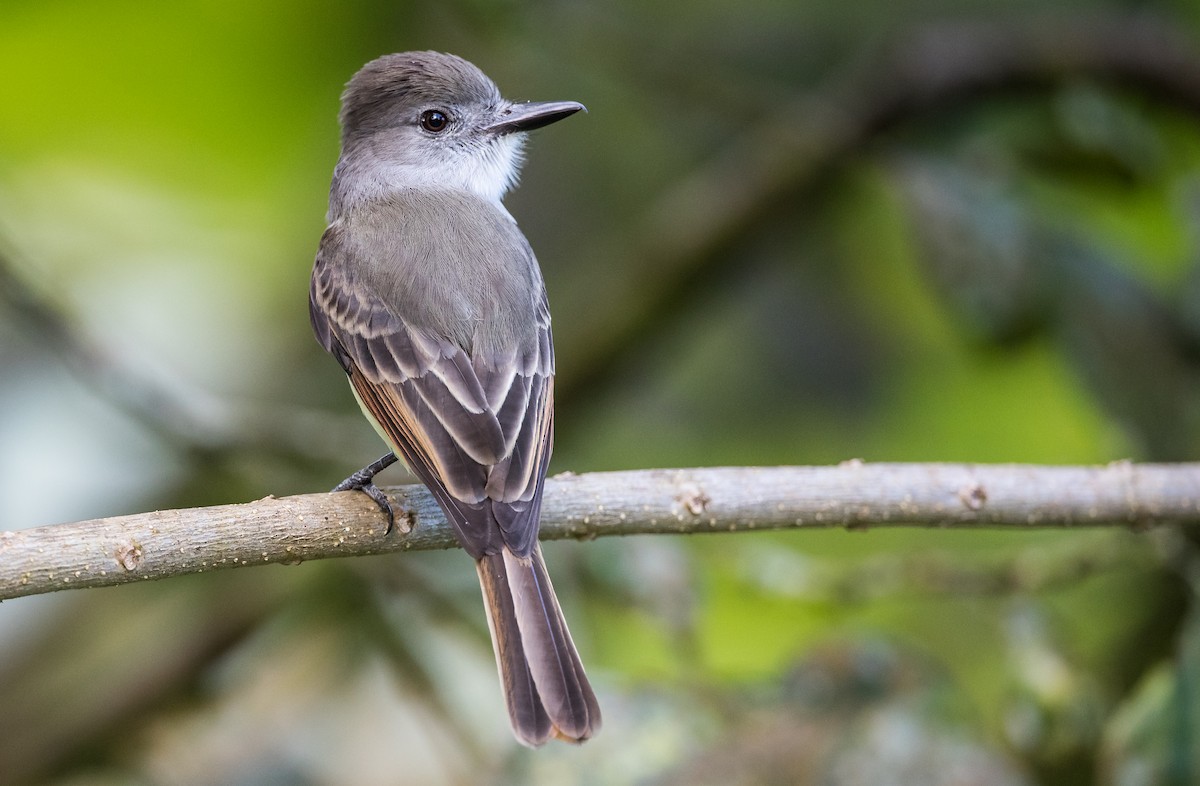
430,298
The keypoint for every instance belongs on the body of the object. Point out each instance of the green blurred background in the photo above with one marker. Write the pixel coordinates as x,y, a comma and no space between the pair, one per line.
785,233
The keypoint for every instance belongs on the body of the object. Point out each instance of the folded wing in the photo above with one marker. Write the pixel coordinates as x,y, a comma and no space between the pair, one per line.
475,426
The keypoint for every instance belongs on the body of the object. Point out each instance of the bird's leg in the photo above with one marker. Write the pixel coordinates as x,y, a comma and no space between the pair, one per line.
362,481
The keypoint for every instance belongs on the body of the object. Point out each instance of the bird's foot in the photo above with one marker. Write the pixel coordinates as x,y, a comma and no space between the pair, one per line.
362,481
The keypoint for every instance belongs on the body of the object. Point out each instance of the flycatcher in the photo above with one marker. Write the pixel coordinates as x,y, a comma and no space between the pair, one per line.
430,298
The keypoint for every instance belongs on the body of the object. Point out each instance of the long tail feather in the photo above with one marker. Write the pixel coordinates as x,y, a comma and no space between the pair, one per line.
545,687
529,720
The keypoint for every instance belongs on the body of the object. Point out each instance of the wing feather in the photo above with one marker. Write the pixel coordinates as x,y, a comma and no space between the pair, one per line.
474,427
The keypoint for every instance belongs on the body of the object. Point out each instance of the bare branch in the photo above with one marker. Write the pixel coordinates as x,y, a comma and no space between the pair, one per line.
103,552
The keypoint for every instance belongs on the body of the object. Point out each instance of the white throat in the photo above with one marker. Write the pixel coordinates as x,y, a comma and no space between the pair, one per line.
487,171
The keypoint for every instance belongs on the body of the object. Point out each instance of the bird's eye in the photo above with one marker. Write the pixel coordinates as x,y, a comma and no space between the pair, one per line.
434,121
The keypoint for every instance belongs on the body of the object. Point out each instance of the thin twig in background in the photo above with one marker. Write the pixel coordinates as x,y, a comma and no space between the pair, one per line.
792,149
202,422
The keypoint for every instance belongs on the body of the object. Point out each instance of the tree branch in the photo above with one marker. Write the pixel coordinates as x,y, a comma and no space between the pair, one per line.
123,549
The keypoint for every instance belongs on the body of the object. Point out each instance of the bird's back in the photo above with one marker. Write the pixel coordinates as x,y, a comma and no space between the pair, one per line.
449,263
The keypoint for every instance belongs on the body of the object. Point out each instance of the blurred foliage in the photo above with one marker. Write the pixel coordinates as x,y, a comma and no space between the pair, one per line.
785,233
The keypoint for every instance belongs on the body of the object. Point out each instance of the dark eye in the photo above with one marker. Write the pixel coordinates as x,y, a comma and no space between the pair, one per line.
434,121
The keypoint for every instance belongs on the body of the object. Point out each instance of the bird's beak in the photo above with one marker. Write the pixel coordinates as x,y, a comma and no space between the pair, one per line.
526,117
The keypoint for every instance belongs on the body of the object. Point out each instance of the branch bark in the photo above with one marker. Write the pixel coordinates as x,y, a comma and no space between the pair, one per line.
854,495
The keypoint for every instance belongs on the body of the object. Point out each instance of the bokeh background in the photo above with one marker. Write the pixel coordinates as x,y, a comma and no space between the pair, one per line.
785,233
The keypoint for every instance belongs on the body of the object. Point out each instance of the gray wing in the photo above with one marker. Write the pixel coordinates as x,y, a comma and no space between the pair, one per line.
475,428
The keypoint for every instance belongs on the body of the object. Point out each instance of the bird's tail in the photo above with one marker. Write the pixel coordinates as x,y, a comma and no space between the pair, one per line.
546,690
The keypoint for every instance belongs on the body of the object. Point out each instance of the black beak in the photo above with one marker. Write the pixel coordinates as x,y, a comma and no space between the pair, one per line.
526,117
